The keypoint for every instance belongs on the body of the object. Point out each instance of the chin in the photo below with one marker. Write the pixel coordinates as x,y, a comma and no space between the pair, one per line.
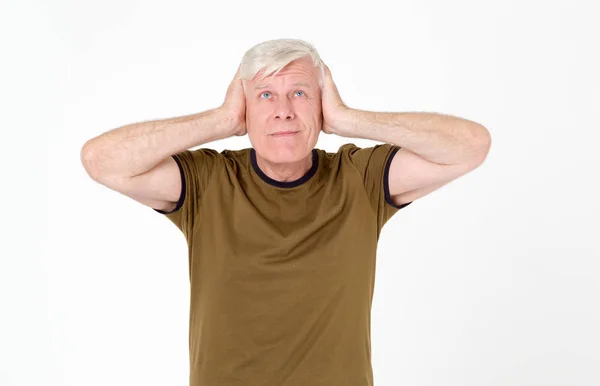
284,154
284,150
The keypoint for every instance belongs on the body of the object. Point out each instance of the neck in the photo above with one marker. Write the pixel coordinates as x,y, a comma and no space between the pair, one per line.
287,171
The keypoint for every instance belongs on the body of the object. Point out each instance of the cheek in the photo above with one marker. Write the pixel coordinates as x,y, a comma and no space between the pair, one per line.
309,107
258,110
315,112
254,112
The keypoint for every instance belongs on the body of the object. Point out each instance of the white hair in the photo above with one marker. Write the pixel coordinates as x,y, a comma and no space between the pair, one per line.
273,55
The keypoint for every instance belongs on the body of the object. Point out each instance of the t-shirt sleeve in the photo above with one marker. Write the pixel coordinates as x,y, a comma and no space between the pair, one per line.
196,168
373,164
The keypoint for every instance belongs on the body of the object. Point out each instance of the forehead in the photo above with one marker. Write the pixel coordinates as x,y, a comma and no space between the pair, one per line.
297,73
266,84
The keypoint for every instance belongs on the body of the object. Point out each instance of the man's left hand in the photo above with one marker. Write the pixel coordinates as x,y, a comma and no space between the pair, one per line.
333,108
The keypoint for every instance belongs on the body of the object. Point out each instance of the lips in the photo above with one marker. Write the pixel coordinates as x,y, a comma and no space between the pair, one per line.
284,133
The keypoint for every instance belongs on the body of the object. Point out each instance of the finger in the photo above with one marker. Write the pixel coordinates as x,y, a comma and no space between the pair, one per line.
328,77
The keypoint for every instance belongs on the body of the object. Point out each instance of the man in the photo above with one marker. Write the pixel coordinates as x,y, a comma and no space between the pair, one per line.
282,237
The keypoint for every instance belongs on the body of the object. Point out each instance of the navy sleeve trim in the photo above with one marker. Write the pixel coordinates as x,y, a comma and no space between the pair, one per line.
183,189
386,181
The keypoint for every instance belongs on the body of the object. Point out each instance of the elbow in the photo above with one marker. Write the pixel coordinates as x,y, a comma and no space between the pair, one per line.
483,145
88,159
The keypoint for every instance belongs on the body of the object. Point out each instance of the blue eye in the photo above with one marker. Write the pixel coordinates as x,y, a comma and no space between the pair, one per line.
267,92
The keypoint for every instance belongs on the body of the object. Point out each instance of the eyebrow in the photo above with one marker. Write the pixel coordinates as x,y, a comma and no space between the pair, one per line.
261,86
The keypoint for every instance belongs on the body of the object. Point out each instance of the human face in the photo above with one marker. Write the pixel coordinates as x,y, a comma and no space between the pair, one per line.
283,112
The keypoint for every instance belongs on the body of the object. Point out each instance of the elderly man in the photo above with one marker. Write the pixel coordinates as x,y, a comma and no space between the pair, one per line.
282,236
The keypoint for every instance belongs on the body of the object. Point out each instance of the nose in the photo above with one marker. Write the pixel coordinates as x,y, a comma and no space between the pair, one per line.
284,109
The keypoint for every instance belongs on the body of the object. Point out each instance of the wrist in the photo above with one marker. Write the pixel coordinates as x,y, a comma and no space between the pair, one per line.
345,122
229,124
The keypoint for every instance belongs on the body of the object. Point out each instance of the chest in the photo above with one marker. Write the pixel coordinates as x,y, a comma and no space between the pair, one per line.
316,236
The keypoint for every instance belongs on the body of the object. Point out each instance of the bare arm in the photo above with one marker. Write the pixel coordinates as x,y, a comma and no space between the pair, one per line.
134,149
136,159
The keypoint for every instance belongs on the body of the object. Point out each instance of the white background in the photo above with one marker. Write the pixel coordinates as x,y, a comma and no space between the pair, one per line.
491,280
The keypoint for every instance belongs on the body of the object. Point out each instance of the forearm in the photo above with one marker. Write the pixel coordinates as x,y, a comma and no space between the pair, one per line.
136,148
438,138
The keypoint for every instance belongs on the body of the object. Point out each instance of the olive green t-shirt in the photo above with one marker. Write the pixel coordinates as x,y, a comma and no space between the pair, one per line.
282,273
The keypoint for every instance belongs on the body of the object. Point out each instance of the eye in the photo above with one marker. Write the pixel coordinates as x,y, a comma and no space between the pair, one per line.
267,92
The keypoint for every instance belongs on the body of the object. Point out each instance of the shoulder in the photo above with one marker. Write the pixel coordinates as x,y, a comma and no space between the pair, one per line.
204,160
221,156
236,155
343,150
362,156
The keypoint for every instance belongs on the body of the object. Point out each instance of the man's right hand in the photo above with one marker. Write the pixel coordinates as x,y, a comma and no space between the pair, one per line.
234,106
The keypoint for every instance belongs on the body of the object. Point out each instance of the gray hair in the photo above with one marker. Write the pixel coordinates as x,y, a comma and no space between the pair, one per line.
273,55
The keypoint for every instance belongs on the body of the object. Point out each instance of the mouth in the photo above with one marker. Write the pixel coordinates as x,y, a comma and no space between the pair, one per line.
284,133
